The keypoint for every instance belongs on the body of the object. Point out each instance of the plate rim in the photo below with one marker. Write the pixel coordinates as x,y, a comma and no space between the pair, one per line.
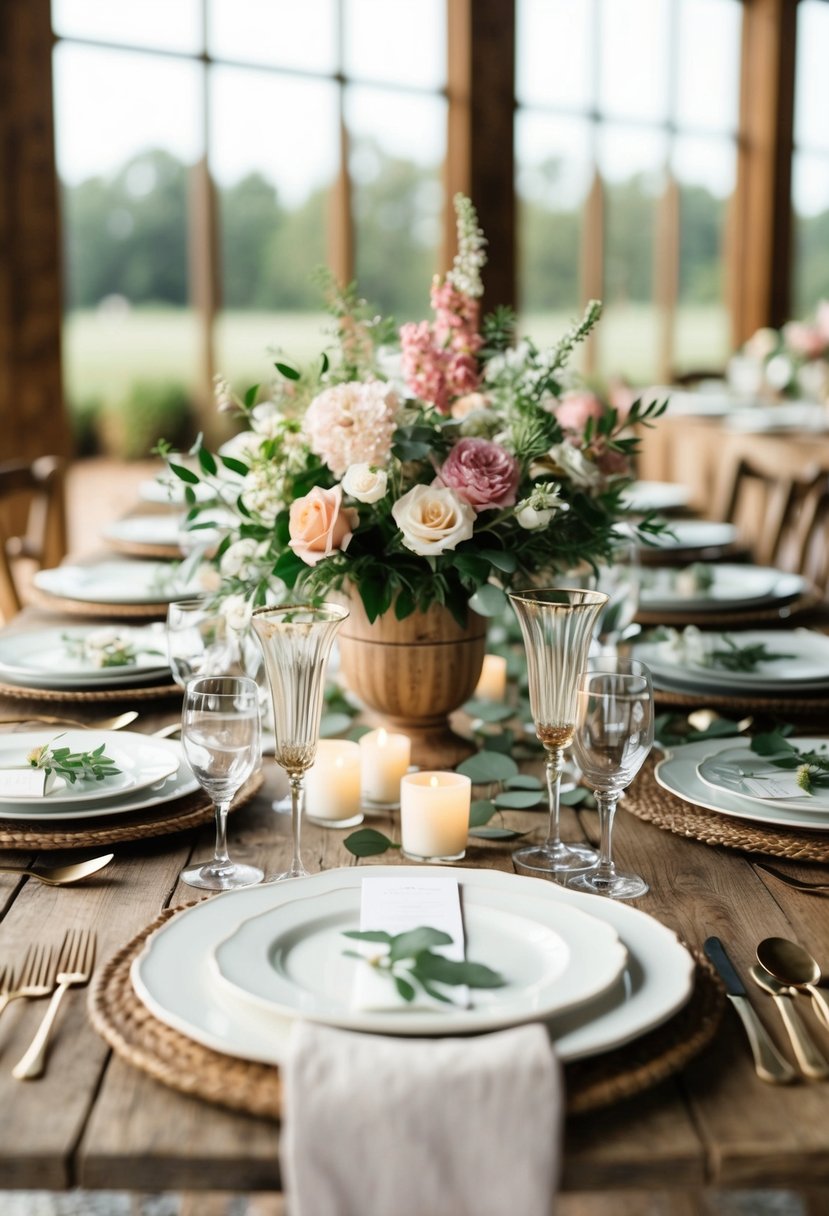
783,804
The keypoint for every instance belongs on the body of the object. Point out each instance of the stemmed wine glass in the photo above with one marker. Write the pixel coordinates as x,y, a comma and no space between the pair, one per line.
614,733
557,625
220,734
198,641
296,641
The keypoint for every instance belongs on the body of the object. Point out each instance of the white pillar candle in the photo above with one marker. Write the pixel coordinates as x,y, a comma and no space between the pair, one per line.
384,759
492,685
332,784
434,815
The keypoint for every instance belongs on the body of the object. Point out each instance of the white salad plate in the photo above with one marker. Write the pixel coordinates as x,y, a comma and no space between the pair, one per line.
677,773
142,761
692,534
643,496
42,658
291,961
739,770
116,582
806,667
175,975
733,586
146,529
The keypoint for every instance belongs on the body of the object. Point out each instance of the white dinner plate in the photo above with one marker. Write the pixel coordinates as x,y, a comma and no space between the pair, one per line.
41,658
677,773
643,496
692,534
290,960
142,761
175,979
739,770
178,785
807,670
116,582
733,586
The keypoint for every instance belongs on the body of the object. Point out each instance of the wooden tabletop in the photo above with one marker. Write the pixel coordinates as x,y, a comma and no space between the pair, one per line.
95,1122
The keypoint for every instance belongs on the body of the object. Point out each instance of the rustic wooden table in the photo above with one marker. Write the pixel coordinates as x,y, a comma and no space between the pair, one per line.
95,1122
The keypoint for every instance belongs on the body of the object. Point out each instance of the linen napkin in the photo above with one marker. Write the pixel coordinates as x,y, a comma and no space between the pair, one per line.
379,1126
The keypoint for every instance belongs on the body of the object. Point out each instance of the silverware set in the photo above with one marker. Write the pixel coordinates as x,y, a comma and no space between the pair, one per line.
783,970
43,972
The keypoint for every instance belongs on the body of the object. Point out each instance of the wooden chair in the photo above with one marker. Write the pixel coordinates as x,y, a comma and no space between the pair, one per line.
812,535
32,522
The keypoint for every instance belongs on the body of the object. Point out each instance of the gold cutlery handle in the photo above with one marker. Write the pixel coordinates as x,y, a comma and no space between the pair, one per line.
768,1063
31,1063
811,1059
820,1005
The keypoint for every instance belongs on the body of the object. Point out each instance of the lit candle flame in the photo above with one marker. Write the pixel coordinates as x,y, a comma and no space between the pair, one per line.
434,783
382,738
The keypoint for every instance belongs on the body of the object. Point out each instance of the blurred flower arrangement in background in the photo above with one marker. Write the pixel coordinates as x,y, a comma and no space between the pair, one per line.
792,361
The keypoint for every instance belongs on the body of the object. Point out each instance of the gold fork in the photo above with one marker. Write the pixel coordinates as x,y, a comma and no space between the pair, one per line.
35,978
77,958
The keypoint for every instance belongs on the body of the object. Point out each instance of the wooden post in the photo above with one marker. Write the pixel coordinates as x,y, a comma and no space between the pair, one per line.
591,269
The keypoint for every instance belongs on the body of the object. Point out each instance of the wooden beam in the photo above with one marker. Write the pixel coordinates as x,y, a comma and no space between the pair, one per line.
33,420
591,262
761,250
205,286
480,137
666,275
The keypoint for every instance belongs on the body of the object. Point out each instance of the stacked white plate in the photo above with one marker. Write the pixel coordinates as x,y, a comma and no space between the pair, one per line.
696,534
733,587
234,973
803,672
167,531
730,779
152,772
116,582
44,658
643,496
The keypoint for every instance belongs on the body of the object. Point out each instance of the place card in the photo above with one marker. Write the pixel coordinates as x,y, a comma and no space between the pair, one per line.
397,905
26,782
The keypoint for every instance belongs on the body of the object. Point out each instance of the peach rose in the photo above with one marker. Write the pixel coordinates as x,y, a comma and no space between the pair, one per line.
319,524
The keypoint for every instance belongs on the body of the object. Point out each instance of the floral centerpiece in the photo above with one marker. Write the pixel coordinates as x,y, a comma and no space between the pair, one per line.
442,472
795,359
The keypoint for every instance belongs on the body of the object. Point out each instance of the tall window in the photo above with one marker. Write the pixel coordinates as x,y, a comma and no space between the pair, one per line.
810,168
242,144
626,142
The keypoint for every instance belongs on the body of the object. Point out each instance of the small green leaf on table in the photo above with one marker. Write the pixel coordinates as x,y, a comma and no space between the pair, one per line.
368,842
487,767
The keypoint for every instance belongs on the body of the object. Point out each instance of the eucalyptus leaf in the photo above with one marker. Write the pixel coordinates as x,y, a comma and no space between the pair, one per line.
184,474
480,812
575,797
519,800
488,601
488,711
415,941
451,971
771,743
496,833
524,781
368,842
334,724
406,990
487,767
369,935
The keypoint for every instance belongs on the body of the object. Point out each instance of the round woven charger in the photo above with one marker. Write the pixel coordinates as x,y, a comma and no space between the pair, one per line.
59,603
740,618
795,707
657,806
177,1061
128,692
192,811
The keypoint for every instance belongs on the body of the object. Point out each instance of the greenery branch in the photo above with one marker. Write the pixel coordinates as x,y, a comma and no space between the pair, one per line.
73,766
409,960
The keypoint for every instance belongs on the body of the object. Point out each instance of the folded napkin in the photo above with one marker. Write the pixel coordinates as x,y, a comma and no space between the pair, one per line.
378,1126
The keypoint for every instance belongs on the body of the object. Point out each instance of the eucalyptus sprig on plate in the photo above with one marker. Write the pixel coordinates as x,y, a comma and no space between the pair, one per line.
812,764
743,658
93,765
409,960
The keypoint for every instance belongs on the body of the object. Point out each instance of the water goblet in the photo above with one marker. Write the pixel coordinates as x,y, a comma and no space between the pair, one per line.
220,734
557,625
296,641
198,641
614,733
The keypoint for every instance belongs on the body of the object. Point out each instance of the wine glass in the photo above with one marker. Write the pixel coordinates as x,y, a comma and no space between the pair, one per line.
614,733
557,625
198,641
220,734
296,641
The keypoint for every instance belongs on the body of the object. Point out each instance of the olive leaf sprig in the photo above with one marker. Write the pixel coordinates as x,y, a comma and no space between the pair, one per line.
743,658
410,961
73,766
812,765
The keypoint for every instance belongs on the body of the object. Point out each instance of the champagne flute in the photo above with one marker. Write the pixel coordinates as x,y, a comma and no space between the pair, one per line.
220,734
614,733
557,625
296,641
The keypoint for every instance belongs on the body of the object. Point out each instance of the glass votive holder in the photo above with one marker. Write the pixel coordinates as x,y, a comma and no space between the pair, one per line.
434,816
384,759
332,785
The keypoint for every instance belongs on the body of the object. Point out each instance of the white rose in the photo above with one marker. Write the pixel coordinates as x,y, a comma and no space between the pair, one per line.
239,559
244,446
365,484
570,460
266,419
530,518
236,611
432,519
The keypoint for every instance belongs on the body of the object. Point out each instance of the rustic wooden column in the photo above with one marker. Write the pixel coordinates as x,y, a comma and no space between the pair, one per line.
33,421
480,140
761,250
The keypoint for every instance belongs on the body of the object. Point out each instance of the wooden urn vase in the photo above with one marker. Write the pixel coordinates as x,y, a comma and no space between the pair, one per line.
412,674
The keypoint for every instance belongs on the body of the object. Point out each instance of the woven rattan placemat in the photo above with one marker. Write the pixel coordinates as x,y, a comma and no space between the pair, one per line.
786,707
740,618
649,801
128,692
120,612
177,1061
189,812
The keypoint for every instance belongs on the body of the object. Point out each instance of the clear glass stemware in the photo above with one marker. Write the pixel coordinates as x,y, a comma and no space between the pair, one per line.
220,734
296,641
614,733
199,642
557,625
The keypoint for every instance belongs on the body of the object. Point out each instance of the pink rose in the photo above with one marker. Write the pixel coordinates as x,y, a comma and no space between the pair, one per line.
575,408
319,524
822,320
804,340
481,473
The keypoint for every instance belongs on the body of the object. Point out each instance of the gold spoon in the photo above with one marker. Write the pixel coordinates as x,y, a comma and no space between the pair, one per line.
63,876
793,965
115,723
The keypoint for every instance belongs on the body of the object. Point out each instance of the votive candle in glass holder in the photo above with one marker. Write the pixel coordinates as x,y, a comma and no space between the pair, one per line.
434,816
332,785
492,685
384,759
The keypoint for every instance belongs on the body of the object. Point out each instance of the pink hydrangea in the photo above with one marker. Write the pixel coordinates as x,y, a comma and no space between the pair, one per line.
352,424
481,473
